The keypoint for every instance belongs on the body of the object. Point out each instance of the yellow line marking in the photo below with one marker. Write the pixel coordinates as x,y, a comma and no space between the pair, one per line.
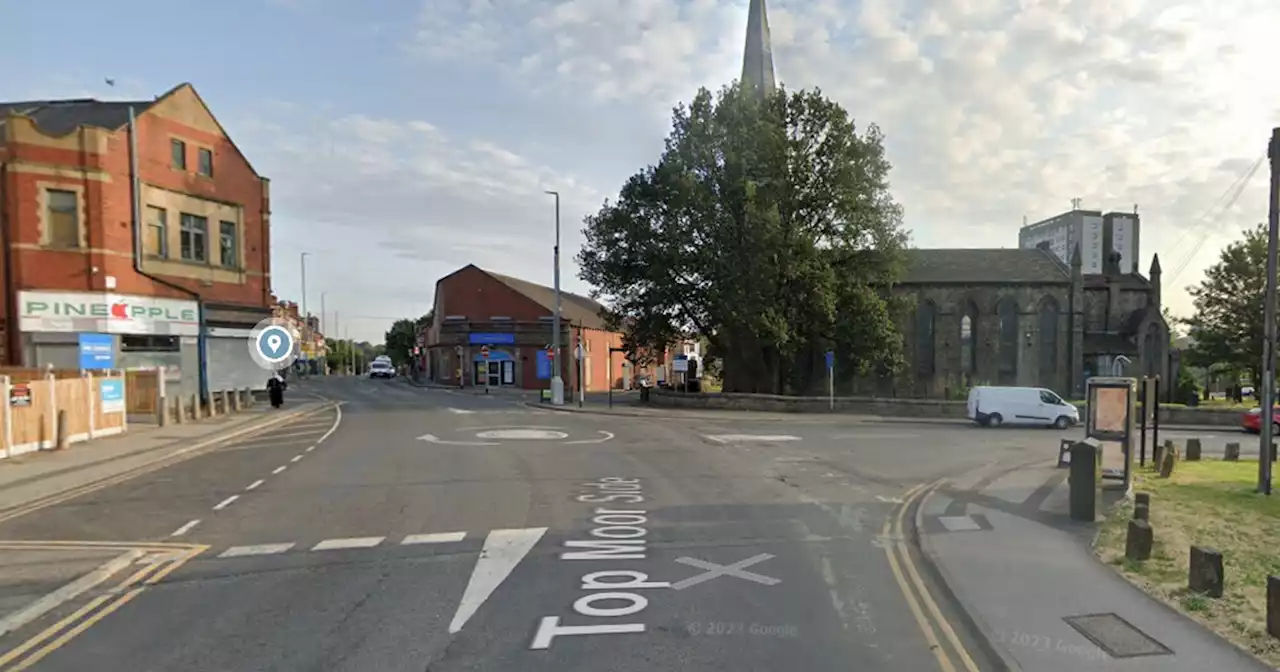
157,573
141,470
944,662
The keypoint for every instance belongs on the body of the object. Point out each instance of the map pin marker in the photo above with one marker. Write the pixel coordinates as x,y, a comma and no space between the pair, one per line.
273,342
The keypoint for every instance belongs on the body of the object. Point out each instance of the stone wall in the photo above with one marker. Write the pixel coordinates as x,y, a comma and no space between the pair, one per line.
908,408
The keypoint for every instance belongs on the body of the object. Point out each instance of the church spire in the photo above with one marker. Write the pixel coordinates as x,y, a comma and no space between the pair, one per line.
757,57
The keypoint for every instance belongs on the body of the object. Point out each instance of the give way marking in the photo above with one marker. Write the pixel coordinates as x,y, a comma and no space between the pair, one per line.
503,550
741,438
736,569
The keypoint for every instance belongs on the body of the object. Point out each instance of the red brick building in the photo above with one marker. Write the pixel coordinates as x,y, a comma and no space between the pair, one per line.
514,318
176,282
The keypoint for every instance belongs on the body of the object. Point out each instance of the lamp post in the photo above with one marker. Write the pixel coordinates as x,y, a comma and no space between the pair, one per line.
557,383
306,322
1268,382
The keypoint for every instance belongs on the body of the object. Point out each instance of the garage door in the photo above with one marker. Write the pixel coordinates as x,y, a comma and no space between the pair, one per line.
231,368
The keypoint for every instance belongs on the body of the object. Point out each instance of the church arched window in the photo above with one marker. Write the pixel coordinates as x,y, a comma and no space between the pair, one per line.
1048,342
1007,313
969,339
926,336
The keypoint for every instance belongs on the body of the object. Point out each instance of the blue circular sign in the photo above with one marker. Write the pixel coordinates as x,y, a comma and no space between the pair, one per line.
275,344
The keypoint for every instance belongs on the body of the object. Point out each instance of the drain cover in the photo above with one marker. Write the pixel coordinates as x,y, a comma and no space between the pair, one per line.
1116,636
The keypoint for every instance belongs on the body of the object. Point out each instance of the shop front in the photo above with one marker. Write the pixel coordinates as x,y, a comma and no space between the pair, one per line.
87,330
228,362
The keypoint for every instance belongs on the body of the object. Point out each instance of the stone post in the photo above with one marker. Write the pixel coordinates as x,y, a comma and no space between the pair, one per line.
195,407
1193,450
61,438
1170,462
235,400
1232,453
1204,575
1138,543
1142,512
1273,606
1157,456
162,411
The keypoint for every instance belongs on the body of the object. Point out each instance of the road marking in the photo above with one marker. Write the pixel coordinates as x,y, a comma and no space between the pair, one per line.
259,549
434,538
226,502
255,484
279,469
503,550
735,569
890,500
607,436
431,438
311,447
352,542
68,592
743,438
296,458
532,434
461,411
185,528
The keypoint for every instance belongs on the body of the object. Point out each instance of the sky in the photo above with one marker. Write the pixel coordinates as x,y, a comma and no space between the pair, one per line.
406,139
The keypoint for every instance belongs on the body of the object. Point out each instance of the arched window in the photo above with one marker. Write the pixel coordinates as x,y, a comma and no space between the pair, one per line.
926,336
1048,342
1007,312
969,339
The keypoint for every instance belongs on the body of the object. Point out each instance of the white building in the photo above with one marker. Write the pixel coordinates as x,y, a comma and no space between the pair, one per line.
1093,231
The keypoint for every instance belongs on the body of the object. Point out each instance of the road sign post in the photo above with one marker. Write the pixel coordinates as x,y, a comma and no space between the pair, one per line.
831,380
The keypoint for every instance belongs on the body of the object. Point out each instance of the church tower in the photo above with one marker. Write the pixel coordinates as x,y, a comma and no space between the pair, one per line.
757,56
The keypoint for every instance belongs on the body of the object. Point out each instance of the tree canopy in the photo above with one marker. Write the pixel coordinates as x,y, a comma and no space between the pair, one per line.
1227,327
767,227
403,335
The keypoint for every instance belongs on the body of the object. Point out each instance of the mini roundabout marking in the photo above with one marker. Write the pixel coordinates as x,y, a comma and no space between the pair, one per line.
491,435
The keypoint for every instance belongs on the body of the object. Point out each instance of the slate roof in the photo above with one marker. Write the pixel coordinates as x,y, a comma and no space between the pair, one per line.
977,266
59,117
575,308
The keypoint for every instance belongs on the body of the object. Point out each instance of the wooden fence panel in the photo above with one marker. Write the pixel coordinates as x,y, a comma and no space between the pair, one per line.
73,397
33,425
141,389
19,374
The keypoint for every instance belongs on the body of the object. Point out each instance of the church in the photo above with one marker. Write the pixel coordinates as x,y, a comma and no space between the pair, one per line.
1067,304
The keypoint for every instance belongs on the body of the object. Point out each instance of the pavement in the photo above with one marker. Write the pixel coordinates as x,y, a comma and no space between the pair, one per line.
406,528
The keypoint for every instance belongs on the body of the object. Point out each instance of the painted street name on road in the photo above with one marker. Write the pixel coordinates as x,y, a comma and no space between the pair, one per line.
619,535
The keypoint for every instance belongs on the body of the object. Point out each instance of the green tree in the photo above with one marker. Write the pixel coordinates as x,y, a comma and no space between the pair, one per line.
400,339
1227,327
767,227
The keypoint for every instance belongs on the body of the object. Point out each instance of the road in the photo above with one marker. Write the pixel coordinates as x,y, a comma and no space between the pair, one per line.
412,529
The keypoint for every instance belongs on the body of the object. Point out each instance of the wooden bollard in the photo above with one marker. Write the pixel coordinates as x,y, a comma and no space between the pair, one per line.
61,438
1232,453
1138,542
1193,450
1204,573
1273,606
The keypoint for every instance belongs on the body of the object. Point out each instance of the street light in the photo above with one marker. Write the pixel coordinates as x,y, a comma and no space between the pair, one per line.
306,323
557,383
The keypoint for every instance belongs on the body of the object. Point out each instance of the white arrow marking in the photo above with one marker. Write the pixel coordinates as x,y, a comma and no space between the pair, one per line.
891,500
432,438
607,436
503,550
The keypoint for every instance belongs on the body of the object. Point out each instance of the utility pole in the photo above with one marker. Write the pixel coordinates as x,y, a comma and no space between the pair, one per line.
557,382
1269,322
306,319
325,342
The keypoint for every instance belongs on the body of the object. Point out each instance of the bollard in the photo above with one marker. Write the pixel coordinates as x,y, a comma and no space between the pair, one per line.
195,407
1142,512
1084,480
1232,453
248,398
235,400
1157,456
162,411
178,411
62,439
1138,543
1169,463
1273,606
1142,498
1193,450
1204,572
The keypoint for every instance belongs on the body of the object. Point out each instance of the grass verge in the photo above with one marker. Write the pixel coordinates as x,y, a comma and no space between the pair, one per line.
1211,503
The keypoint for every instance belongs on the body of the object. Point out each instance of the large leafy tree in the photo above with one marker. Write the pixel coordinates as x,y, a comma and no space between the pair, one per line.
1227,327
400,339
767,227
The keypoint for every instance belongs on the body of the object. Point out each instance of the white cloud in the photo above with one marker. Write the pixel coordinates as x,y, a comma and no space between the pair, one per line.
993,110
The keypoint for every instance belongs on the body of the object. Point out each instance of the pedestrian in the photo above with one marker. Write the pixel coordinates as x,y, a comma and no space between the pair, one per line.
275,389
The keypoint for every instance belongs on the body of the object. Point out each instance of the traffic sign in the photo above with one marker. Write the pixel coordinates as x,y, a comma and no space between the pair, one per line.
484,351
831,359
551,352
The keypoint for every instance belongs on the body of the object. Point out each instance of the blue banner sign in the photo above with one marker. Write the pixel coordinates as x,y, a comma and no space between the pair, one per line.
831,359
97,351
544,365
112,395
482,338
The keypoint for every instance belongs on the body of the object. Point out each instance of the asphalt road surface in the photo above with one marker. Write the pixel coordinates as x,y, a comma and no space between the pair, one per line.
412,529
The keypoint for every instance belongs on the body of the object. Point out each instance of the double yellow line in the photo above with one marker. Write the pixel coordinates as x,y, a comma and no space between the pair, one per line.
161,559
916,592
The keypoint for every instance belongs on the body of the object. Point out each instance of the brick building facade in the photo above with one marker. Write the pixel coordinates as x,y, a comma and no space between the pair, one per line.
79,260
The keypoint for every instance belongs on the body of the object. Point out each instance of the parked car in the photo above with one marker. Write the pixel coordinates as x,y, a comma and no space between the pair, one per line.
1035,406
1251,421
381,369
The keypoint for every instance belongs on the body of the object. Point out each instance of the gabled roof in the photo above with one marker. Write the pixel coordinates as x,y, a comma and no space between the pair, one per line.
575,308
978,266
60,117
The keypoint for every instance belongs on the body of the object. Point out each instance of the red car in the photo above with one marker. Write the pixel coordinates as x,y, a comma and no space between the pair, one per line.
1251,421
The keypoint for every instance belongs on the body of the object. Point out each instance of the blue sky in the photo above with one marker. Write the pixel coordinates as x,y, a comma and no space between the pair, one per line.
403,143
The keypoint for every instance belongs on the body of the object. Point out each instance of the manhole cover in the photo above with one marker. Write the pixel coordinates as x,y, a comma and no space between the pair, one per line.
521,434
1116,636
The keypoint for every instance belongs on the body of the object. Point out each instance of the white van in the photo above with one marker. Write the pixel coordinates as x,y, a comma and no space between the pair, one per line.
995,406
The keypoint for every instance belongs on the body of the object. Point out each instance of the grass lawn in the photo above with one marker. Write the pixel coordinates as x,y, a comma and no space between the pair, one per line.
1211,503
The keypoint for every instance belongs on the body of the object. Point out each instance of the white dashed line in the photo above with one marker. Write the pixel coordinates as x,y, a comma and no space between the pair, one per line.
296,458
461,411
226,502
260,549
435,538
185,528
354,542
311,448
279,469
255,484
